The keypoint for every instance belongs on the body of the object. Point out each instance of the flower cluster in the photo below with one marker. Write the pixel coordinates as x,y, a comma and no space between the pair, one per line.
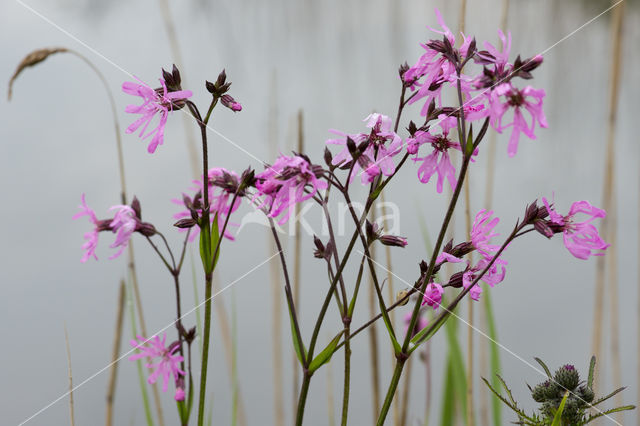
490,94
371,152
223,184
290,180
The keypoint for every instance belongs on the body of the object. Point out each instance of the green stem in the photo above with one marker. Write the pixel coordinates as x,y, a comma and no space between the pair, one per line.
397,372
205,348
347,373
304,390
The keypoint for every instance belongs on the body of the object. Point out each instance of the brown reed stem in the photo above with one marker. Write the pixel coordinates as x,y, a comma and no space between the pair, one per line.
609,184
373,346
115,352
71,413
276,301
296,265
176,52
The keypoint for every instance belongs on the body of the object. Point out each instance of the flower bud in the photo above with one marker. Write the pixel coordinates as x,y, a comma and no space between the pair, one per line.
539,392
393,241
135,205
328,158
185,223
146,229
172,79
231,103
543,228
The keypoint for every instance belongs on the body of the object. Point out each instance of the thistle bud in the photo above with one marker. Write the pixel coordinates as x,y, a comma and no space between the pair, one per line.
567,377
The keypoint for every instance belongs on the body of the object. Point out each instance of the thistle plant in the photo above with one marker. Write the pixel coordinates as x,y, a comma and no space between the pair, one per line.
564,399
491,95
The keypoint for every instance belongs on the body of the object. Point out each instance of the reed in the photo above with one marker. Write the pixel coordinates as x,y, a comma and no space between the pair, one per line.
274,273
115,353
608,201
71,411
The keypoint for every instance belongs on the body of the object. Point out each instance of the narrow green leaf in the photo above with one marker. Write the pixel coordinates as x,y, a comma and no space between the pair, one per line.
324,356
447,410
469,147
298,345
494,355
592,368
544,366
611,411
557,419
215,237
458,365
604,398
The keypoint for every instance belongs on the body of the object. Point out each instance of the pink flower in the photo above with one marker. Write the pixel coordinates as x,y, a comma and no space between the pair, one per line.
159,101
581,238
283,185
493,276
433,295
527,99
482,232
166,366
124,223
222,187
179,396
230,103
381,145
91,236
422,323
436,69
438,161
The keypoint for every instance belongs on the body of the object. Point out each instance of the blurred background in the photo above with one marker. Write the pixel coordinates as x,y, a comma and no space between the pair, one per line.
336,62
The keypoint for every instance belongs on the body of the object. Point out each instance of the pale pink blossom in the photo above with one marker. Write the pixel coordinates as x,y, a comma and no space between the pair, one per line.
219,200
124,224
494,275
382,144
482,232
581,238
506,97
289,181
433,295
159,101
92,236
168,363
420,324
438,161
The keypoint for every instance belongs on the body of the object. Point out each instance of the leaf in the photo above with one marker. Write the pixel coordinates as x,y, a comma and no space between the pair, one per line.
611,411
544,366
494,355
215,238
557,419
604,398
298,345
30,60
592,367
324,356
447,410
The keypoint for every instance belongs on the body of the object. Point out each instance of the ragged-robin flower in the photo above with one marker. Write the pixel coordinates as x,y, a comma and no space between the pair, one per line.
154,102
168,363
581,238
494,275
434,69
482,232
439,160
223,184
91,236
376,149
433,295
290,180
124,225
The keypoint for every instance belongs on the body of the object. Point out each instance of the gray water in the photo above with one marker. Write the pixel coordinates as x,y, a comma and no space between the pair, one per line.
337,62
